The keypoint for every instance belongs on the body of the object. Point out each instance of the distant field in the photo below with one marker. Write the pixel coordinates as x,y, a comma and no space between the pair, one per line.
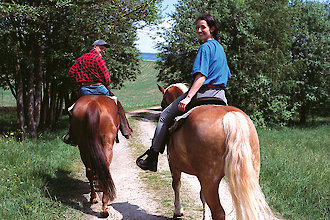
6,98
143,92
137,94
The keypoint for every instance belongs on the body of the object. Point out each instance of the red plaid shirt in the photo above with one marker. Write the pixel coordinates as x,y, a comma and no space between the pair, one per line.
90,68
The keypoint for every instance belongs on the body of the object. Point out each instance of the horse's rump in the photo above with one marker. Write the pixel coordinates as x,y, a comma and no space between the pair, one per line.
95,124
215,141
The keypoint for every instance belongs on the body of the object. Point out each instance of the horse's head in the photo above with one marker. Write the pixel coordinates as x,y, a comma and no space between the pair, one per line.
171,93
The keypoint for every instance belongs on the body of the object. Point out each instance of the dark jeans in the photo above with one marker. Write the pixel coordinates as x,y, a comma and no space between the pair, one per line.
101,89
167,116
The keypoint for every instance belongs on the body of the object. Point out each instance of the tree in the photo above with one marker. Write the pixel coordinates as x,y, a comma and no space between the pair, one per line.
257,37
252,51
42,39
310,57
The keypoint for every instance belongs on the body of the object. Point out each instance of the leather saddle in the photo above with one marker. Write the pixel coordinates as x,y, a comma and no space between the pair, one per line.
179,120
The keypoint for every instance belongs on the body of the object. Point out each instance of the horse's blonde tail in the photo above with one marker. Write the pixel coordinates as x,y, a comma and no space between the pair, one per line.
243,179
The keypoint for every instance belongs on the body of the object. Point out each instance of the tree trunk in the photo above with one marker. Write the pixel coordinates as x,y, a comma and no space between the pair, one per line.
19,93
52,110
303,114
30,99
45,103
38,89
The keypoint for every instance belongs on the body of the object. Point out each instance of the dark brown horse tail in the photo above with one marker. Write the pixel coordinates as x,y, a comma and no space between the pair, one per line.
98,157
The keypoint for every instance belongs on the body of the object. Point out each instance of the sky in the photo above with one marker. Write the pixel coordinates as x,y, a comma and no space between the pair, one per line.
145,43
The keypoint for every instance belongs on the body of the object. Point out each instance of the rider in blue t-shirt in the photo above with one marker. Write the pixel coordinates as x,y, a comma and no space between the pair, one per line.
210,73
211,62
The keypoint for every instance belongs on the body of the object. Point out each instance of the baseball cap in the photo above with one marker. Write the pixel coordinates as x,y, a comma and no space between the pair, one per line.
101,43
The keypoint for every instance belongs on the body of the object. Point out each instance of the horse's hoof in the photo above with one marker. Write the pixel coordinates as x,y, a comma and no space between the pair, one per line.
104,214
178,216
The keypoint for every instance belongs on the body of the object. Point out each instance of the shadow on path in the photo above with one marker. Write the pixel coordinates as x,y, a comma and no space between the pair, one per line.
131,211
147,115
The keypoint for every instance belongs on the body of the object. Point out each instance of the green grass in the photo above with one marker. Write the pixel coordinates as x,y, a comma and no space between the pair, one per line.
143,92
33,176
295,171
6,98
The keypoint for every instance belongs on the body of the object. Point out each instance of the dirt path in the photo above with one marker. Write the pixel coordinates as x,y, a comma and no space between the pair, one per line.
133,201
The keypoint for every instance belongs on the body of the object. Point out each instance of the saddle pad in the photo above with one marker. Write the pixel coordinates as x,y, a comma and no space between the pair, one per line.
114,98
179,120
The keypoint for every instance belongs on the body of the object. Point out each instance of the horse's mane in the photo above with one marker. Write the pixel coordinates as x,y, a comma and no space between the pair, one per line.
181,86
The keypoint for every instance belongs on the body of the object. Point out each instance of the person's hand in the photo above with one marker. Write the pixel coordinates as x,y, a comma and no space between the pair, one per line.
184,102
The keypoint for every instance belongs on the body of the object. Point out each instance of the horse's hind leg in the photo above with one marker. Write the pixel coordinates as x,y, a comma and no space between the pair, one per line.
104,213
90,177
176,184
211,196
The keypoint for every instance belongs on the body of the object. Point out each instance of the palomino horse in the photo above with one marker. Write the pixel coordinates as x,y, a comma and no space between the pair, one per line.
94,126
213,142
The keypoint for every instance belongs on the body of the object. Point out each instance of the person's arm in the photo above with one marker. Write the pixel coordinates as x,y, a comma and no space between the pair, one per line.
198,82
72,73
104,72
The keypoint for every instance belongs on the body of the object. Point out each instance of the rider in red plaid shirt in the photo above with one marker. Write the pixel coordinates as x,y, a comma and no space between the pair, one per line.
90,71
91,68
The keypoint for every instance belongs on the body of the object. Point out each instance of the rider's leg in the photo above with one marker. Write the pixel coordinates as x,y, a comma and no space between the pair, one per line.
160,137
70,139
124,127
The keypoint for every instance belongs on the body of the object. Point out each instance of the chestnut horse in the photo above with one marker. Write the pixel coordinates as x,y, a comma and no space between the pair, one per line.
213,142
94,126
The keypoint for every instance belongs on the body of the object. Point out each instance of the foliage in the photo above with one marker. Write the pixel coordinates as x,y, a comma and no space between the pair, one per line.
310,57
258,38
42,39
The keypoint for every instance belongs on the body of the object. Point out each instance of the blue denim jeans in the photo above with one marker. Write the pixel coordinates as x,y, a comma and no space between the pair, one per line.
94,90
167,116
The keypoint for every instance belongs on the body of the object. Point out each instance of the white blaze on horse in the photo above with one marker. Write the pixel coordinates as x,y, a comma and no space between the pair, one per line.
216,141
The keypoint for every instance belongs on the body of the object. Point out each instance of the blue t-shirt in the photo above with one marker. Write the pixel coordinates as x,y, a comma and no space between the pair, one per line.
211,62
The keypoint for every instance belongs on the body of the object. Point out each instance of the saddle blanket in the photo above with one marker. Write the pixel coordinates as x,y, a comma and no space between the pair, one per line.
179,120
114,98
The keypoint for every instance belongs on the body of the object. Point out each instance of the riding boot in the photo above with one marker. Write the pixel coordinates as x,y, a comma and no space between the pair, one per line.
150,163
124,127
69,140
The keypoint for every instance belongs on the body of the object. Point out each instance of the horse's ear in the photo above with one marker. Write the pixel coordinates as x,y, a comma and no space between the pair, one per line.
161,89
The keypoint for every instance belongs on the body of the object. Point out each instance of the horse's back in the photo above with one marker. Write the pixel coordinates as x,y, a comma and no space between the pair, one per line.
100,110
103,103
200,144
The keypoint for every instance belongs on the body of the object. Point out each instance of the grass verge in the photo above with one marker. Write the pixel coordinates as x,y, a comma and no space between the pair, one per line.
33,176
143,92
295,171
